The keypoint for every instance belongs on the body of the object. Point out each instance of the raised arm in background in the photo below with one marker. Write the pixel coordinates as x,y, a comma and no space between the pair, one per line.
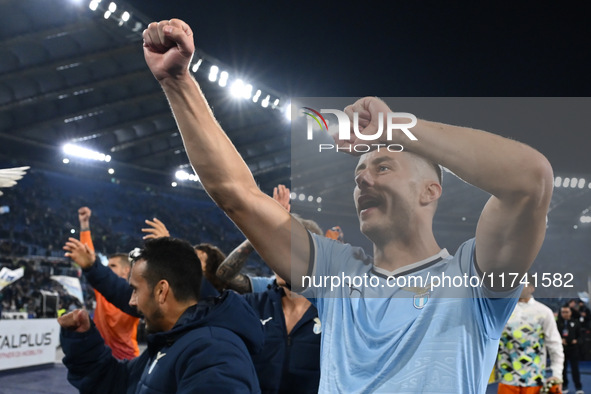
115,289
229,270
157,229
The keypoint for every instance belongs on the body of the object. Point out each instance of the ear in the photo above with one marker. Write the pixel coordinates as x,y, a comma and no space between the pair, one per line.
431,192
162,291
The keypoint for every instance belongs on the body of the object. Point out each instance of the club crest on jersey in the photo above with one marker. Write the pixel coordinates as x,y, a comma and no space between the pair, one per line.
317,329
421,296
420,300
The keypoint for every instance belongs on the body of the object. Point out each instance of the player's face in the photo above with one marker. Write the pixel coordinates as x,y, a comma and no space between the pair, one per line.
119,269
385,194
143,298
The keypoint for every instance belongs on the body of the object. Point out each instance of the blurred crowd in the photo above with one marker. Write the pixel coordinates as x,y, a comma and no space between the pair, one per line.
42,215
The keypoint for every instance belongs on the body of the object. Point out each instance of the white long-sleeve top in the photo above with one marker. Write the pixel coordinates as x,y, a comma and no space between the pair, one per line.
529,335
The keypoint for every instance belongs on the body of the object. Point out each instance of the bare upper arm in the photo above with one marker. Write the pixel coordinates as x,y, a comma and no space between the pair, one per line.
280,240
510,233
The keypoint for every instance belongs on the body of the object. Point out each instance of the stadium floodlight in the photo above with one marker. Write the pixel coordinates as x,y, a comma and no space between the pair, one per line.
237,88
85,153
213,73
557,181
247,91
223,78
565,182
265,102
111,171
581,183
287,112
173,184
275,103
125,16
196,65
65,160
256,96
112,7
93,5
573,182
182,175
107,14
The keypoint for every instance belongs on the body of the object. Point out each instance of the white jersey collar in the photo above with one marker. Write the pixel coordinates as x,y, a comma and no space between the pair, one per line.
419,265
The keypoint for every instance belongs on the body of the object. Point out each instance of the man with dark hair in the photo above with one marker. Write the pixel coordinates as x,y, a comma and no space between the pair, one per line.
193,345
168,259
209,255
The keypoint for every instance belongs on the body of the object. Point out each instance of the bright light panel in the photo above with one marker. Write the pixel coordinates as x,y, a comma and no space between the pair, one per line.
256,96
223,78
213,73
237,88
85,153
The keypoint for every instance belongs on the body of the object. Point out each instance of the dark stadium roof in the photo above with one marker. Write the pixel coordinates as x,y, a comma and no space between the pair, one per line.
69,75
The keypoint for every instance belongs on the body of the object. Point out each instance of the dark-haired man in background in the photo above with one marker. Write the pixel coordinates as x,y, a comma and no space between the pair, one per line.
193,345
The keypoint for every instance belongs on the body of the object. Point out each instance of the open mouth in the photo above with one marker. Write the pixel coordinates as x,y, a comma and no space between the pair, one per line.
366,202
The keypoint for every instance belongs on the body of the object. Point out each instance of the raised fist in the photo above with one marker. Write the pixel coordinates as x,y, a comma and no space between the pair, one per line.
168,48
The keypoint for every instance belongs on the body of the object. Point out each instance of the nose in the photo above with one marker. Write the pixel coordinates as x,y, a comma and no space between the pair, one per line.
133,300
363,179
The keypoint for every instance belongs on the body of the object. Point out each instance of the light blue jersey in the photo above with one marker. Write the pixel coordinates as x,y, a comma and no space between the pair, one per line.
408,339
260,284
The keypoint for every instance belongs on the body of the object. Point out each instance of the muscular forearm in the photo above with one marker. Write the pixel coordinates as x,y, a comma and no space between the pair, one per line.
221,169
232,265
500,166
